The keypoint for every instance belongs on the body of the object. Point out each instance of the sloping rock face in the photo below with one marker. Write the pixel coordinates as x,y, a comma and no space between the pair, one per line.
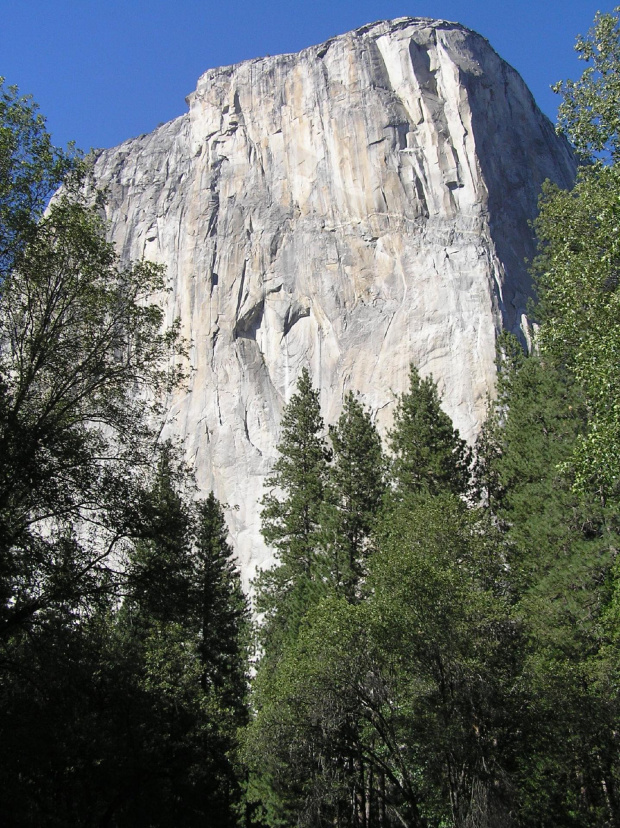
354,207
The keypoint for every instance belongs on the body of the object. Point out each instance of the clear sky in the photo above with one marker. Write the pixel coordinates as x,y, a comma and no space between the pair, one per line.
106,70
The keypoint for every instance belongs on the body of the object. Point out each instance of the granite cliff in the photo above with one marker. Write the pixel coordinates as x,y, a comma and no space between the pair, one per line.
353,207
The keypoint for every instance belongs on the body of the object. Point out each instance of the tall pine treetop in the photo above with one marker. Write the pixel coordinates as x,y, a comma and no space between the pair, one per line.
356,484
290,520
428,453
291,517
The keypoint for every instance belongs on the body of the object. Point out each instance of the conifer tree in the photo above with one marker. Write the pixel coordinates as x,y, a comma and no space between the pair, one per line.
159,563
557,549
186,623
219,617
354,494
428,454
290,520
220,607
291,516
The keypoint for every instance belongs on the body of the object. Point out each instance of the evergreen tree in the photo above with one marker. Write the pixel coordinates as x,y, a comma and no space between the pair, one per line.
291,520
159,563
354,494
291,516
427,453
183,629
221,613
186,619
558,551
130,715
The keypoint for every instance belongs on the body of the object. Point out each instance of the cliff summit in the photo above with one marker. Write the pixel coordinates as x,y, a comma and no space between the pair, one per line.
352,208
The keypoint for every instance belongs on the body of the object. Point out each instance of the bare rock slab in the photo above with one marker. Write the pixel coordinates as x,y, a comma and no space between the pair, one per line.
354,207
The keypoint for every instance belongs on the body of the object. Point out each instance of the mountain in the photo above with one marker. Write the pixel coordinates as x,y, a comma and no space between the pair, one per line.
354,207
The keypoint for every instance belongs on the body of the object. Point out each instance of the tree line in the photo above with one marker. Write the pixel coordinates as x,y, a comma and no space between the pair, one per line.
440,635
437,641
123,627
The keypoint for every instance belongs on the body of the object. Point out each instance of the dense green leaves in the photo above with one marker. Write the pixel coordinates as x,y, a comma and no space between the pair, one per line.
577,269
589,112
31,168
578,282
123,630
559,552
389,710
570,773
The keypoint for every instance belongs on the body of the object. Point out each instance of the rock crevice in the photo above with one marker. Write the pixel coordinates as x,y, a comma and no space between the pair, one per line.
355,207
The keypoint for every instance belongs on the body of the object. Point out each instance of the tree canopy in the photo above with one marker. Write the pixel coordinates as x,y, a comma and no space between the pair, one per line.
123,630
576,272
437,644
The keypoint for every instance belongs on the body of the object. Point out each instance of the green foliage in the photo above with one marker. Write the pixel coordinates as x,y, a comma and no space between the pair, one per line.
185,621
158,566
300,740
290,521
122,624
561,496
343,500
428,454
354,494
558,550
389,710
448,641
589,112
577,283
31,169
577,267
80,349
220,613
129,715
291,516
541,415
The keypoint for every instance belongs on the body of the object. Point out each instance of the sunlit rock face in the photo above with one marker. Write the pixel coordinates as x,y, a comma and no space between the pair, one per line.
354,207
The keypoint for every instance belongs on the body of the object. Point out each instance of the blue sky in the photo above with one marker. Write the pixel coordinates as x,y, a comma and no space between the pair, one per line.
106,70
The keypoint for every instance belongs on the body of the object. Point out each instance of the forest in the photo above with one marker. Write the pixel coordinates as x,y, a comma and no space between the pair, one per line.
438,642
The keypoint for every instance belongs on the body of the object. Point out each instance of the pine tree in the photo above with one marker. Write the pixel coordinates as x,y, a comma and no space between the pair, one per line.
219,611
558,550
159,564
291,516
186,623
220,608
354,494
428,454
291,521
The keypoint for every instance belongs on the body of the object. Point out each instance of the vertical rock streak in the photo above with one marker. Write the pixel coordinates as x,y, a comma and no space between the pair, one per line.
354,207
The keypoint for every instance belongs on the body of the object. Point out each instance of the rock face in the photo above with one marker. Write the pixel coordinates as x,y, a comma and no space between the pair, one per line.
354,207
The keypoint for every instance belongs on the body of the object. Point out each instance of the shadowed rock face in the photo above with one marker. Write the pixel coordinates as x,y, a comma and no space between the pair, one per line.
354,207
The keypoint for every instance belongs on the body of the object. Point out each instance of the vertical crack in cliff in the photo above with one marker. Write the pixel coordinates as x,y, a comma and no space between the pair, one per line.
410,123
